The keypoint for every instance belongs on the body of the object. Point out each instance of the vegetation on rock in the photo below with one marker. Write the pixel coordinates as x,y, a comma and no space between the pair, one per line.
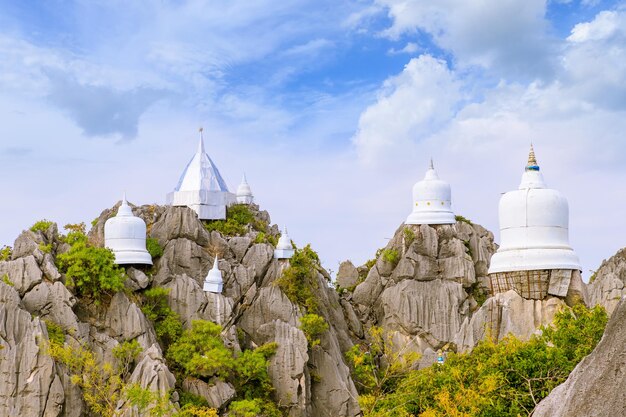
391,256
462,219
239,220
90,270
508,378
299,280
41,226
154,249
200,352
166,322
5,253
313,325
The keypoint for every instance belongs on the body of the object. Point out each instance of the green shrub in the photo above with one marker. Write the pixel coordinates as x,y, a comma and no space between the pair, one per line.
462,219
299,280
7,280
41,226
409,236
90,270
200,351
250,377
154,249
126,354
55,332
45,248
239,219
262,237
253,408
505,379
391,256
5,253
187,398
313,326
167,324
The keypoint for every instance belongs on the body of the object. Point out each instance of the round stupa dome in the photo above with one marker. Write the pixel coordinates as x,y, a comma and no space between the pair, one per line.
534,227
214,282
125,235
244,192
284,248
432,201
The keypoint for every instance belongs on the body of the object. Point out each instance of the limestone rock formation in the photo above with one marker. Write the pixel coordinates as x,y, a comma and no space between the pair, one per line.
608,285
595,388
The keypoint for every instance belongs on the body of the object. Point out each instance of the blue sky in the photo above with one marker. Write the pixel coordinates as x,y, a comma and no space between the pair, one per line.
333,109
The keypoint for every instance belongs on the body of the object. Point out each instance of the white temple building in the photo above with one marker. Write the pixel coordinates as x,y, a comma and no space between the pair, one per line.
213,281
432,201
202,188
534,250
284,248
244,192
125,235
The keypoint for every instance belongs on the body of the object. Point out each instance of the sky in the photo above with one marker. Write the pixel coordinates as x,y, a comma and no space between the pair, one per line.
331,108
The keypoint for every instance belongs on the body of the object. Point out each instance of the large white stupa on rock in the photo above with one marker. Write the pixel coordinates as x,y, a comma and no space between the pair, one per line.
534,247
432,200
125,235
214,282
202,188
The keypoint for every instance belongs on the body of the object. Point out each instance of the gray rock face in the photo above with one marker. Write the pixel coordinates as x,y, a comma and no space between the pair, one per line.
423,300
218,394
29,385
608,287
125,321
53,301
347,276
23,273
506,313
595,388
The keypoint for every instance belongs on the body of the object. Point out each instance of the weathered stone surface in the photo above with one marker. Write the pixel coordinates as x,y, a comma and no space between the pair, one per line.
239,246
595,388
288,366
577,291
434,307
179,223
368,291
270,305
506,313
53,301
137,280
347,276
608,287
125,321
187,298
183,256
27,375
218,394
23,273
258,258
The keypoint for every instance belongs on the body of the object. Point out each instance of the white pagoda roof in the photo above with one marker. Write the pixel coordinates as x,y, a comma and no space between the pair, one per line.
201,174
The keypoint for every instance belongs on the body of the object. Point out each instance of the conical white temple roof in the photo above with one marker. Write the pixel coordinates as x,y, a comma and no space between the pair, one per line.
201,174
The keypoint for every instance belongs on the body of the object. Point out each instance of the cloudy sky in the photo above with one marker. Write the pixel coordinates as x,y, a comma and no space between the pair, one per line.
332,108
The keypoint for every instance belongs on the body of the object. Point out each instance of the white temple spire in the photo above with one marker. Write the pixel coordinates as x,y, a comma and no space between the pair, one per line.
214,282
201,142
244,192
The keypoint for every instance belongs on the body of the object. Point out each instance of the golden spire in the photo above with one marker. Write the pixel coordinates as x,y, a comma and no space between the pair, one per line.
532,160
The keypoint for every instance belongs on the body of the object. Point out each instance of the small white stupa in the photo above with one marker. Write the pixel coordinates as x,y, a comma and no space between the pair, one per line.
432,200
534,227
284,249
213,281
125,235
244,192
202,188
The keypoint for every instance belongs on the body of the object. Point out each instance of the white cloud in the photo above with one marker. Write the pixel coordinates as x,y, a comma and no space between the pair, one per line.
409,107
410,48
604,25
510,36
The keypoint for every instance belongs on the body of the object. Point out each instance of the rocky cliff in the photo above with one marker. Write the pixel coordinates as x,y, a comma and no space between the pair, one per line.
595,388
608,284
307,381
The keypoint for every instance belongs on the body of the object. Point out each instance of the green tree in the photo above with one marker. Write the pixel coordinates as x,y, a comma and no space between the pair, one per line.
313,326
299,281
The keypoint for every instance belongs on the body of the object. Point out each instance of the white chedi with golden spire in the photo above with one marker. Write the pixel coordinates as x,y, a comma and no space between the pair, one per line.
202,188
244,192
125,235
284,248
534,227
213,281
432,200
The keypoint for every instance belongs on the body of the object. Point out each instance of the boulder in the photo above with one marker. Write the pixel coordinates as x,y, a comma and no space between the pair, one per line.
22,273
218,394
347,276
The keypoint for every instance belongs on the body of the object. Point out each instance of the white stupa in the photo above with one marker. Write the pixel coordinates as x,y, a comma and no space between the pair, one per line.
432,200
125,235
213,281
284,249
244,192
202,188
534,233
